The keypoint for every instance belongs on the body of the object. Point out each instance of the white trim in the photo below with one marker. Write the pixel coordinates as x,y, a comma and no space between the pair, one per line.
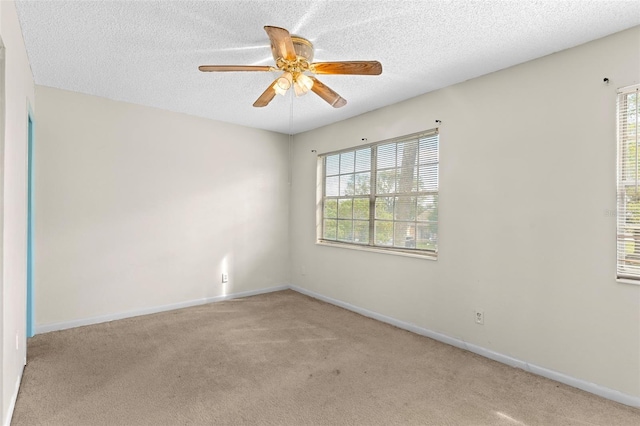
14,398
46,328
593,388
628,89
376,249
627,281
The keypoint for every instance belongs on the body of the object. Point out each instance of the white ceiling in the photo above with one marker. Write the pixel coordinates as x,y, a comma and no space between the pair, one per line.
148,52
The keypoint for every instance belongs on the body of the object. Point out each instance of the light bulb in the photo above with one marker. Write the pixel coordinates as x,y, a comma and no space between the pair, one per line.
302,84
304,81
279,90
283,83
299,89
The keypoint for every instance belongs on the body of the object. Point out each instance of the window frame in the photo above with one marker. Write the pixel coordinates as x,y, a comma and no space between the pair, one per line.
372,196
622,275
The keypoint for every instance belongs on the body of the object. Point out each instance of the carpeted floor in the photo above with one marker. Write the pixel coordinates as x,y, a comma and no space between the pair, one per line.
282,359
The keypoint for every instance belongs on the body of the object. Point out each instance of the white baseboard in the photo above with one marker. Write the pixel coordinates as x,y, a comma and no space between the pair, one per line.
46,328
14,398
593,388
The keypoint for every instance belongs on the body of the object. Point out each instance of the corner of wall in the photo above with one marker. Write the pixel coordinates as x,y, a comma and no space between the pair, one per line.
18,93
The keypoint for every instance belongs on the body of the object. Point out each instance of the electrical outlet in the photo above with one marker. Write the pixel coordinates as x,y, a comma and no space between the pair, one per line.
225,278
479,317
17,341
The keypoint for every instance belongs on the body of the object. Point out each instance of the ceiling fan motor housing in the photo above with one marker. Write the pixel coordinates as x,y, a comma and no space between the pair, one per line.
304,56
303,47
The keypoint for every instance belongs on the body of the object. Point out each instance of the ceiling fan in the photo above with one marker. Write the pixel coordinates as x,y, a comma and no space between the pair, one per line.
294,57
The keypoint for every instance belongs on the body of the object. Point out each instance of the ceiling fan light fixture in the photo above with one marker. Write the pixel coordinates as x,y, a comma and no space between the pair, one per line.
304,81
302,84
299,89
279,90
283,83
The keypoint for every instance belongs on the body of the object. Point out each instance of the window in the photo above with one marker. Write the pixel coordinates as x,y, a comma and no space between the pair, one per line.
383,195
628,222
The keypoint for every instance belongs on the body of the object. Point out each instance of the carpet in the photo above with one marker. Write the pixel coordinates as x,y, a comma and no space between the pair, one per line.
282,359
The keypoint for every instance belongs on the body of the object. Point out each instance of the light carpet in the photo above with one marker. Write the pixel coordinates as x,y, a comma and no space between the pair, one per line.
282,359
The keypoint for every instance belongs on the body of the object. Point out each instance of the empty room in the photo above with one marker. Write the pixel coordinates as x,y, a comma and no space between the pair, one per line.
320,212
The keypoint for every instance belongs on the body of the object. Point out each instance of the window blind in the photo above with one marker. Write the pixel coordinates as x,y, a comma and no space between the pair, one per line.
628,182
383,195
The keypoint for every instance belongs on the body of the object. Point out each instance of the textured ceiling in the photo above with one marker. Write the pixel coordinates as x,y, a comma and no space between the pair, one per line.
148,52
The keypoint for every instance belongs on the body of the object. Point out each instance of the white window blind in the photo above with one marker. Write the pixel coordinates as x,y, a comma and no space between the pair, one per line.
628,217
383,195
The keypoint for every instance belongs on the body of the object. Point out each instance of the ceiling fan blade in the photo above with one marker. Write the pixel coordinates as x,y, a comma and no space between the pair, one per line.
350,67
281,43
266,97
326,93
218,68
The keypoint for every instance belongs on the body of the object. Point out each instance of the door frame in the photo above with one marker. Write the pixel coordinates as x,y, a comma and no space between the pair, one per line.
30,223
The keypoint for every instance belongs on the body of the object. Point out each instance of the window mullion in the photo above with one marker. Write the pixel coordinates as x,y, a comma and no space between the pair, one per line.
636,141
324,195
372,195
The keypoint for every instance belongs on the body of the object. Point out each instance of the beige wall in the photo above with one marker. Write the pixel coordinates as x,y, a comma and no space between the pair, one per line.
18,97
528,164
138,208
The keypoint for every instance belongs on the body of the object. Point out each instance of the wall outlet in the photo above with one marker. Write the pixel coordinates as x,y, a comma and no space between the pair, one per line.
17,341
225,278
479,317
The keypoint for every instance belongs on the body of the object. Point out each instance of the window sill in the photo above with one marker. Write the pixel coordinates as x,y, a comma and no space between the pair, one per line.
627,281
377,250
